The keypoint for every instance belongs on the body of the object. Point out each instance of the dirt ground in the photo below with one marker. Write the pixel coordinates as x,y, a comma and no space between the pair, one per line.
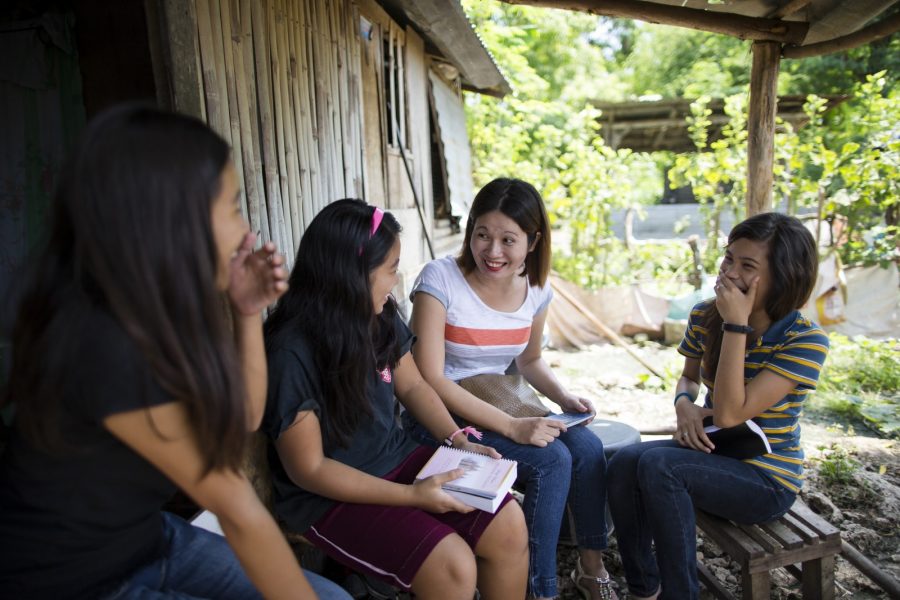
867,510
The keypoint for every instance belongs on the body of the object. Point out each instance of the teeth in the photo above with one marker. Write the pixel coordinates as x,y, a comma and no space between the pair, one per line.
495,265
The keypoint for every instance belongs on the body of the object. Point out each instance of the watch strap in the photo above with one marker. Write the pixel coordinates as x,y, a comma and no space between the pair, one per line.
736,328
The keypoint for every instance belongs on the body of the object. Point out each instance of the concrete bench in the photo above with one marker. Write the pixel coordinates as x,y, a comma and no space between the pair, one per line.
800,541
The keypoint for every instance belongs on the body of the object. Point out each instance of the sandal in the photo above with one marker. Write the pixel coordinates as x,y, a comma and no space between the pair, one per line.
585,583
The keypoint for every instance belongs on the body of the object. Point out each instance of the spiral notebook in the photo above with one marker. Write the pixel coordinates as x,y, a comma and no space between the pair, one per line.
486,480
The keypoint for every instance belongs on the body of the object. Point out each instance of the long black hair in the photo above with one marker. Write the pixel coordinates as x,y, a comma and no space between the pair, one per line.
793,266
131,233
329,302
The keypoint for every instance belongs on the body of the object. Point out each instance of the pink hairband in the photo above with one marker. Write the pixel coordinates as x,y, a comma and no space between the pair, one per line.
377,217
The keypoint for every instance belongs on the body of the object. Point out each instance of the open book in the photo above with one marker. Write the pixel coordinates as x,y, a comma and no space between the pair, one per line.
571,419
741,441
485,483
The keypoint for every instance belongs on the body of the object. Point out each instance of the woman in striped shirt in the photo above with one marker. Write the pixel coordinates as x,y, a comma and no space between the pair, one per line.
477,314
759,358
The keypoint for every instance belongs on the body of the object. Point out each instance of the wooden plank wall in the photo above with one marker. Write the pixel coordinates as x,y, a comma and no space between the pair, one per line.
281,83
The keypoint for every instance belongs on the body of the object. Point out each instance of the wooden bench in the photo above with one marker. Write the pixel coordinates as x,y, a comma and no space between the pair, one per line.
800,541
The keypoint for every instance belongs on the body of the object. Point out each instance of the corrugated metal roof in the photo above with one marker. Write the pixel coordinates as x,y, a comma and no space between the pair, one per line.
444,25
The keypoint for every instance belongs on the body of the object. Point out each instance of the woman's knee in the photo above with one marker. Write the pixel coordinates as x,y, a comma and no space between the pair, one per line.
623,464
550,460
586,450
507,534
653,466
450,566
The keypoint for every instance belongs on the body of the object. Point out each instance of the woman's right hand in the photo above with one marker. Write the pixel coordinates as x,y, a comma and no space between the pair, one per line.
689,429
536,431
431,497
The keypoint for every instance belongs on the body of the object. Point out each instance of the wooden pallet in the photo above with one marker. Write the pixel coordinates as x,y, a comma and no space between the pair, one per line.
800,541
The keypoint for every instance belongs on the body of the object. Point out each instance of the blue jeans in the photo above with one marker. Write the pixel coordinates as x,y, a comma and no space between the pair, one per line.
199,564
654,488
573,467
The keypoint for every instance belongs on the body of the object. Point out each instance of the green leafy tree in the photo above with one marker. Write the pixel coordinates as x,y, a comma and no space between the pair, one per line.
547,130
847,170
673,62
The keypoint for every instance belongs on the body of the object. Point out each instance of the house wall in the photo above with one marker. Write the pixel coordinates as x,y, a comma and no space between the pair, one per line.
300,93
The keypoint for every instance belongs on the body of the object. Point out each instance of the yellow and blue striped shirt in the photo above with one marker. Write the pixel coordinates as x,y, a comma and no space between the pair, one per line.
793,347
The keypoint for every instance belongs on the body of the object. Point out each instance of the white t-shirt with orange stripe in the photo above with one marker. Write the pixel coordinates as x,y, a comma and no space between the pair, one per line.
477,338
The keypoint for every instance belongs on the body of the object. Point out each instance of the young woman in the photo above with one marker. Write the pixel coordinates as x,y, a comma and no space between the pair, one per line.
342,467
759,358
127,382
479,313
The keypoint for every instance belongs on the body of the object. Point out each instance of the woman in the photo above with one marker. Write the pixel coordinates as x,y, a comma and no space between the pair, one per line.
478,314
128,384
759,358
343,469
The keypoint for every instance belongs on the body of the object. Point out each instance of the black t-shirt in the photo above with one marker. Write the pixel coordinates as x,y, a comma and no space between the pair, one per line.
76,521
376,447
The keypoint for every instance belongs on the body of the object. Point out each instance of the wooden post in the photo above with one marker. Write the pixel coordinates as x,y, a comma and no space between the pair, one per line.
181,56
761,126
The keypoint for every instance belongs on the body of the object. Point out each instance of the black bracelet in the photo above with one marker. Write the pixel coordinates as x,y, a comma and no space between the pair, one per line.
736,328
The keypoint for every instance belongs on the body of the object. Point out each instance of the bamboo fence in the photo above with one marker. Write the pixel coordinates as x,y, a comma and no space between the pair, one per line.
282,85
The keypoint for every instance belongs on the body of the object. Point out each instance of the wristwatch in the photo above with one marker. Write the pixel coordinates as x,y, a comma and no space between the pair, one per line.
736,328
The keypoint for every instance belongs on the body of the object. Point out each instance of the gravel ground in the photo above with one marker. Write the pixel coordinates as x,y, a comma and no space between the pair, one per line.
866,510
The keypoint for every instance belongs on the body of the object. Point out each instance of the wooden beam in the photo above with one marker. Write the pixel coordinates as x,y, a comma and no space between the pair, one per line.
746,28
761,126
788,9
181,57
864,36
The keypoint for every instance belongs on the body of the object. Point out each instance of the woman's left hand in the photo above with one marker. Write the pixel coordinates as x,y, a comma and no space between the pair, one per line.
257,277
734,305
571,403
462,443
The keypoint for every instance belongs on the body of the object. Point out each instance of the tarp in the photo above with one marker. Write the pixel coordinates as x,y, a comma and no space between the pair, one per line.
852,301
872,307
627,310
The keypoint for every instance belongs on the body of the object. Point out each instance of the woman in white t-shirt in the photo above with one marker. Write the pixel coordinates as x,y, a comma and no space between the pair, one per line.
476,314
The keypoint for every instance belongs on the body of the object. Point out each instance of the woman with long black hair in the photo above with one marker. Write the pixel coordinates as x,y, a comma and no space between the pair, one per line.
129,383
343,469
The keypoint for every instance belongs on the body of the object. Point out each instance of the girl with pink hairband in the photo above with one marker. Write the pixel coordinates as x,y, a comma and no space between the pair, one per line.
343,469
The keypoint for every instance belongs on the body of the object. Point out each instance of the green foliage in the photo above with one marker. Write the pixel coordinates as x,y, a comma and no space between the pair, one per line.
547,131
717,172
839,471
864,189
837,73
861,380
837,467
848,170
673,62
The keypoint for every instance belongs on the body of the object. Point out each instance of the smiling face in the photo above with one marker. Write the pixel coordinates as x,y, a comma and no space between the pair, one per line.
499,246
746,259
384,277
228,224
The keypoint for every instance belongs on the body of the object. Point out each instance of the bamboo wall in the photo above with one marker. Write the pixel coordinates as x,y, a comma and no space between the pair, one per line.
281,84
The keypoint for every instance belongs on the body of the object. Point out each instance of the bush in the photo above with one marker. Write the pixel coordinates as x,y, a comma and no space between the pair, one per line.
861,380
